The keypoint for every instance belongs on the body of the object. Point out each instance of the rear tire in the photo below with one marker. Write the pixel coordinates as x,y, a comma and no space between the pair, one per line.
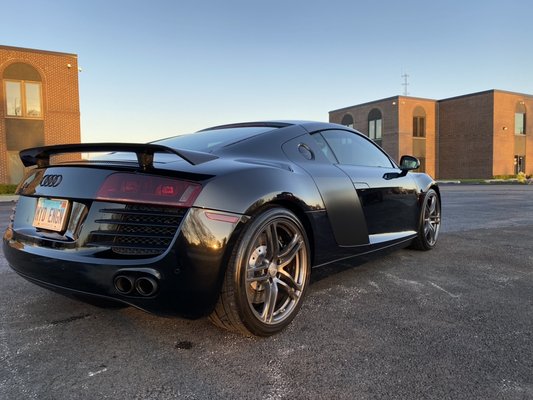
429,224
267,276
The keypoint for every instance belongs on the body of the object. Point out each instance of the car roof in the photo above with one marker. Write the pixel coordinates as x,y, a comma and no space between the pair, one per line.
310,126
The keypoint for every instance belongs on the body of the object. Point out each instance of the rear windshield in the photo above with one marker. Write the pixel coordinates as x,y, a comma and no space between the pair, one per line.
211,140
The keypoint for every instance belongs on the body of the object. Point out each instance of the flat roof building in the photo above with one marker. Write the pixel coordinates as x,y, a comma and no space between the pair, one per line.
39,104
478,135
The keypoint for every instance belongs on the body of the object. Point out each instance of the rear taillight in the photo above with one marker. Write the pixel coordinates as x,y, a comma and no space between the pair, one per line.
133,188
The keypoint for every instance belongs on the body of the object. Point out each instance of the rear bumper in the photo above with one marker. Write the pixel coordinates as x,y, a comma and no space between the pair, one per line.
188,275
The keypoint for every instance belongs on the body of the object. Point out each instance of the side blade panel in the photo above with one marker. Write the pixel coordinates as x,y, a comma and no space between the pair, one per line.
337,190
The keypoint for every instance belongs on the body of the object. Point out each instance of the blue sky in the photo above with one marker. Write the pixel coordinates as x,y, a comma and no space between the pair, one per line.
153,69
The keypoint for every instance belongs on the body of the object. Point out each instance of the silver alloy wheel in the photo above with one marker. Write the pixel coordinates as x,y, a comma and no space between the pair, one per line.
432,218
276,271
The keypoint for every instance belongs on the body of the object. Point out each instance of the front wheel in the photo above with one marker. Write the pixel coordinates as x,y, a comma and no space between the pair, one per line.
267,275
429,224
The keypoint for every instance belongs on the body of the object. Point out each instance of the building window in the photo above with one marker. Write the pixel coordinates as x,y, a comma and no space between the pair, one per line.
375,126
347,120
519,164
520,119
520,123
419,122
13,99
23,99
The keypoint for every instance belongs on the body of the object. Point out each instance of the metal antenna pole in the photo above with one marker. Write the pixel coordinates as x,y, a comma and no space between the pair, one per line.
405,84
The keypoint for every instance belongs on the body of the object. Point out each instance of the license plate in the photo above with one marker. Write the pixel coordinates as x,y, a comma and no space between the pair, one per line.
51,214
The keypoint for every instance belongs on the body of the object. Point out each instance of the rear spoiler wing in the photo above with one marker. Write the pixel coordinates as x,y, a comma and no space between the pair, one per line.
40,156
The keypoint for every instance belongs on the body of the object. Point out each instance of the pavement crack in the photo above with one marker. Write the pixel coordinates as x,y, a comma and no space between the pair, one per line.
455,296
70,319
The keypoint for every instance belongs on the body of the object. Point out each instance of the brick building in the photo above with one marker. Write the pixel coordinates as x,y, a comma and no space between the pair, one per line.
478,135
39,104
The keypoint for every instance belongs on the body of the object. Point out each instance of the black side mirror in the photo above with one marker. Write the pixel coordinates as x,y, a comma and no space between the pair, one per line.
408,163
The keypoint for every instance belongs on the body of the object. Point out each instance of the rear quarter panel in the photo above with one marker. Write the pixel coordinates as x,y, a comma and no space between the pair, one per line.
244,190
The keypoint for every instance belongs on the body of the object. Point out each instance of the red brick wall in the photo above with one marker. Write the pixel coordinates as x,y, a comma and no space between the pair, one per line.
470,136
504,133
61,110
406,106
466,136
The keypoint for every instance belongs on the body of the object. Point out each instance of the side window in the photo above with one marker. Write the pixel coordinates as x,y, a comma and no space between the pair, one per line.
325,148
351,149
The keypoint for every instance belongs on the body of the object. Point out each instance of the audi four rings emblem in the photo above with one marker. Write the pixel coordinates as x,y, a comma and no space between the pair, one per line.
51,180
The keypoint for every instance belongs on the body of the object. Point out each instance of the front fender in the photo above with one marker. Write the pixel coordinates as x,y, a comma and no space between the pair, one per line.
423,181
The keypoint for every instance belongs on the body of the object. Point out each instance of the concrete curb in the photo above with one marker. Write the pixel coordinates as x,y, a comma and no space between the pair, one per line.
6,198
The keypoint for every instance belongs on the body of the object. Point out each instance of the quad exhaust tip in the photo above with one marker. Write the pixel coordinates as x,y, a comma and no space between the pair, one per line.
124,284
144,286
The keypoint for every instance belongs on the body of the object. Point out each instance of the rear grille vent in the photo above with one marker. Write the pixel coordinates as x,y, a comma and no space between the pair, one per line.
136,230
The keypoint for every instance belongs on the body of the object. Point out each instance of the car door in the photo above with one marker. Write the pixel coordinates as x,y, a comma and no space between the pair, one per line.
389,198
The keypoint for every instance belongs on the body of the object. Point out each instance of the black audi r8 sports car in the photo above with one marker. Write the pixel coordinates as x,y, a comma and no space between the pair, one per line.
226,222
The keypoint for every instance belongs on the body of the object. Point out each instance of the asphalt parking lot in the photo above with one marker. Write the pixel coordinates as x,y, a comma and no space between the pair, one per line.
453,323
